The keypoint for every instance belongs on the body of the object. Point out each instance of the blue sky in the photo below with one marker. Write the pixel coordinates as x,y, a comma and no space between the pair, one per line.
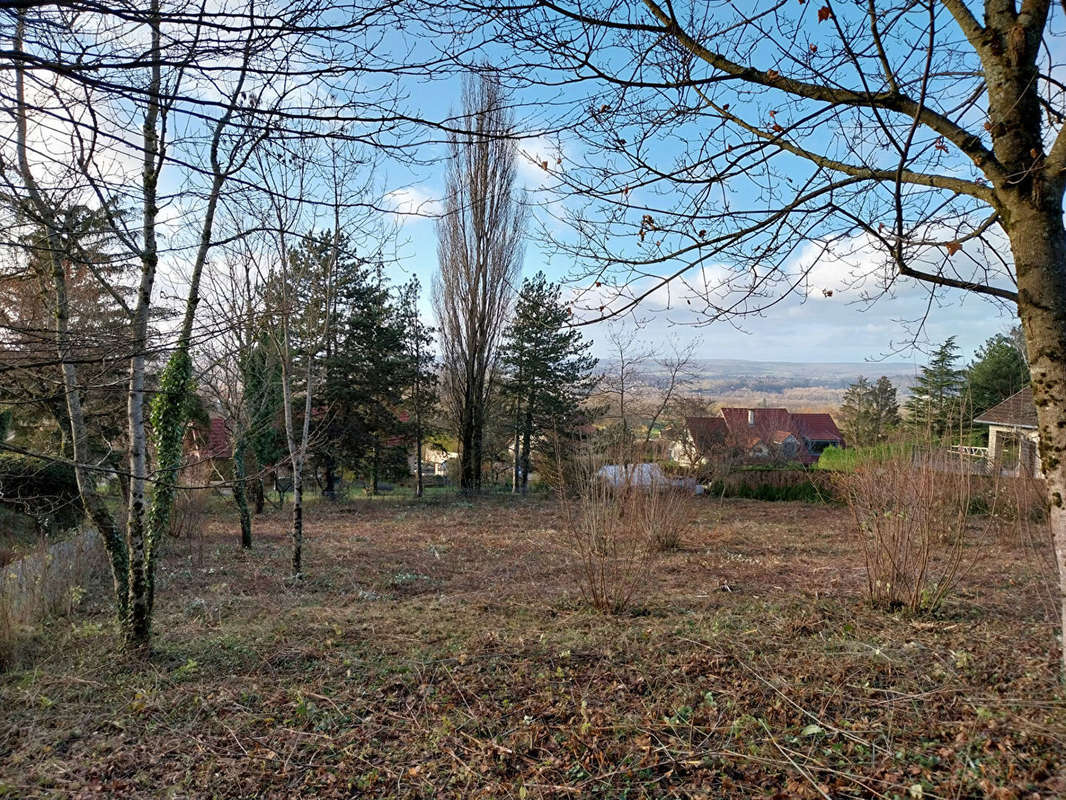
842,327
817,328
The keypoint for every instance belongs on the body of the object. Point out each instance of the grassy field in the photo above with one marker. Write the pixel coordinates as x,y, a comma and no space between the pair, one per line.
443,650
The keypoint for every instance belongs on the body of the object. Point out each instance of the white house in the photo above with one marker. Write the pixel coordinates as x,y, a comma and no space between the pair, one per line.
1012,434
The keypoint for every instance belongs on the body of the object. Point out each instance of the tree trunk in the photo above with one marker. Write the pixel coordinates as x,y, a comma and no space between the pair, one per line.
114,542
527,439
419,489
466,449
330,491
477,448
240,493
1038,242
260,495
297,525
516,478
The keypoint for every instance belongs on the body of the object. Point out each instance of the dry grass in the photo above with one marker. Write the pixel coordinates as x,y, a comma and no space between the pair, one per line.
47,582
444,650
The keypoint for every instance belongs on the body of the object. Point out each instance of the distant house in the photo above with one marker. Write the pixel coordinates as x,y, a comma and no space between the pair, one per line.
1012,434
205,443
434,460
759,434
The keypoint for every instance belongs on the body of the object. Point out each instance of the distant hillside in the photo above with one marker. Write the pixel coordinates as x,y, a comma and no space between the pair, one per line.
795,385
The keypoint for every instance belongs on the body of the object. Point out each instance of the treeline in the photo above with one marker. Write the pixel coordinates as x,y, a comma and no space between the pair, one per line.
945,397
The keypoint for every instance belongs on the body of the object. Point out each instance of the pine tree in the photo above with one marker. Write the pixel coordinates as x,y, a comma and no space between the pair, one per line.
936,397
869,411
420,381
856,412
998,371
365,379
548,370
885,407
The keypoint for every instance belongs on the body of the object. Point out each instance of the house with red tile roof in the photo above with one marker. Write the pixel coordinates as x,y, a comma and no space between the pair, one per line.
209,444
761,434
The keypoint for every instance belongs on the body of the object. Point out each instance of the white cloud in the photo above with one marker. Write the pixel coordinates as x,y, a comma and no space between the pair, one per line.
412,203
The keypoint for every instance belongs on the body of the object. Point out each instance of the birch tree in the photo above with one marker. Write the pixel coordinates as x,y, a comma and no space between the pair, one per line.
37,190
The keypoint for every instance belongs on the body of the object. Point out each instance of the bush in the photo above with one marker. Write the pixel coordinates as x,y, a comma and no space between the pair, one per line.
616,526
773,484
836,459
912,515
45,491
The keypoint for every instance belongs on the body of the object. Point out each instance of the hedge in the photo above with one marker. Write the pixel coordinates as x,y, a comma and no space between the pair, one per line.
46,491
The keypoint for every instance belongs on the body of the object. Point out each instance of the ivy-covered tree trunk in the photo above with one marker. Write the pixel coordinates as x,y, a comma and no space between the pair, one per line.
240,491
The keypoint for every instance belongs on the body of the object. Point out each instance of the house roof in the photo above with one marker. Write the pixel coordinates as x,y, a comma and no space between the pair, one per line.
817,427
707,431
749,427
780,437
764,420
1017,411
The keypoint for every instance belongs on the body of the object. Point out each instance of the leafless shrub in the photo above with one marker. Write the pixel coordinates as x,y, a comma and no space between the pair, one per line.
664,513
617,516
614,554
912,514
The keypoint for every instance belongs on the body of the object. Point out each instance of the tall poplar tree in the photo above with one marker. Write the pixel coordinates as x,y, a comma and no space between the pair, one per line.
480,253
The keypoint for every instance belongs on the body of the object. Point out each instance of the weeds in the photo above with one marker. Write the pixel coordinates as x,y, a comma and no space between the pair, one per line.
48,582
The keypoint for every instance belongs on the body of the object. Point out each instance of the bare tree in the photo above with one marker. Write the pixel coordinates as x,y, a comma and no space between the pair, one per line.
233,371
729,147
643,381
75,138
480,252
302,305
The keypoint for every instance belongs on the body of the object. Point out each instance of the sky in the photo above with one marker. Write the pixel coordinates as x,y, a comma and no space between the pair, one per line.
841,328
840,325
833,321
